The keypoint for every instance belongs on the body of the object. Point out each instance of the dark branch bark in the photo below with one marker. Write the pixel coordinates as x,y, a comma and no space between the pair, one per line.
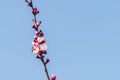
45,68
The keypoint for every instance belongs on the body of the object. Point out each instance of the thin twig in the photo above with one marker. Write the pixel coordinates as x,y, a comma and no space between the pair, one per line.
42,58
45,68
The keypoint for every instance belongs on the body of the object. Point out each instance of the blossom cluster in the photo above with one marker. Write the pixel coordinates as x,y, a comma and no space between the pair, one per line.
39,42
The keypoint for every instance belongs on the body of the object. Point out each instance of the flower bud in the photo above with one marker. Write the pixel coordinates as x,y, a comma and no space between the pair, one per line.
44,52
35,37
41,33
30,4
35,11
47,61
33,26
37,56
36,33
53,77
40,52
38,23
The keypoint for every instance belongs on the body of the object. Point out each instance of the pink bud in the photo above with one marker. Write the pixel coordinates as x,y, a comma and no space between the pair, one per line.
45,52
39,52
53,77
33,26
37,56
43,41
35,37
35,11
35,40
38,23
36,33
30,4
41,33
47,61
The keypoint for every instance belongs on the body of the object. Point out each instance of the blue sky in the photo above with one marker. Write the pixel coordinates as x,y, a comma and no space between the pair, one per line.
83,39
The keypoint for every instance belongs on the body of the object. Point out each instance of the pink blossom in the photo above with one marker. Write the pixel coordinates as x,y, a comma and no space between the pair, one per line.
34,41
37,44
41,40
43,47
35,49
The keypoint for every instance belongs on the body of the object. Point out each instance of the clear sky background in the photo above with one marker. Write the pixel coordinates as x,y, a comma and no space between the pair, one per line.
83,39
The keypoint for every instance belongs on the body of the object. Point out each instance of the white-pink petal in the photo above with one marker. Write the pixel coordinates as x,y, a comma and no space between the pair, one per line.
33,43
43,47
35,50
40,39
